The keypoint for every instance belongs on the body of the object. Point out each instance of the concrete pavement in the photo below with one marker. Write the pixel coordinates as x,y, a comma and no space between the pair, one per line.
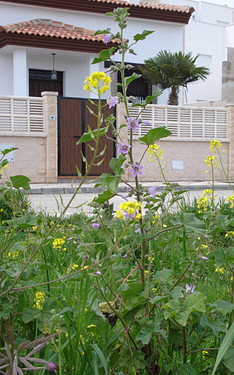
52,198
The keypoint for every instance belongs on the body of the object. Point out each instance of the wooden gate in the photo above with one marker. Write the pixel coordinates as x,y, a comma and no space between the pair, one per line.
74,118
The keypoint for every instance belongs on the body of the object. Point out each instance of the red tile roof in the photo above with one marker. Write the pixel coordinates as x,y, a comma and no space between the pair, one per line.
47,27
148,5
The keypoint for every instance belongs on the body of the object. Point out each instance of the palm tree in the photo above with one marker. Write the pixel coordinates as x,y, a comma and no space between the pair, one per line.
172,70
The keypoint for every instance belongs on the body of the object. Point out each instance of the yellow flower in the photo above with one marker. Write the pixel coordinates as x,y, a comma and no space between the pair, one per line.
129,210
39,300
74,267
211,162
204,352
153,151
231,200
58,243
215,145
97,82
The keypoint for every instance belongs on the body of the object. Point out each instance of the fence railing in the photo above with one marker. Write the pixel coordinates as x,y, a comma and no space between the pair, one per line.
21,114
184,122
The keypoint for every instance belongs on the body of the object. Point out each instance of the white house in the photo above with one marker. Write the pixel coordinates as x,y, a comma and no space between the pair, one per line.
209,33
31,31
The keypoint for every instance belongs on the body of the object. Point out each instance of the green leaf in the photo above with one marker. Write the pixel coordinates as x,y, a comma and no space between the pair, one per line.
104,197
116,165
108,181
91,135
20,181
154,135
143,35
228,359
29,314
163,275
226,306
194,302
105,31
187,369
8,150
102,358
134,76
25,221
105,54
148,99
144,335
224,347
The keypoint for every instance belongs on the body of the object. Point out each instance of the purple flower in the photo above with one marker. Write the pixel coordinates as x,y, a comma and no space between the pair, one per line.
189,289
123,148
152,191
133,124
51,367
98,273
136,169
205,258
125,256
107,38
145,122
95,225
113,101
138,230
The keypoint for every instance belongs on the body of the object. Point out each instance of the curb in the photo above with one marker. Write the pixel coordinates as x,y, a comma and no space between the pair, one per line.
47,190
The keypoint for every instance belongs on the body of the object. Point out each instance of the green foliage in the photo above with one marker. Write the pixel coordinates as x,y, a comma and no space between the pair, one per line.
12,203
172,70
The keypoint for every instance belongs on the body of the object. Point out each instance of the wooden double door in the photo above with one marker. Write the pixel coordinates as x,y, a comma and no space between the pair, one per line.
74,118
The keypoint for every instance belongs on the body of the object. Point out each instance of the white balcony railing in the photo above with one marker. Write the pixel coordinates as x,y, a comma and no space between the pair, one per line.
189,123
19,114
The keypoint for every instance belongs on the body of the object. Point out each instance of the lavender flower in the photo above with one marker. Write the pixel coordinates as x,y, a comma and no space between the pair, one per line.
107,38
98,273
123,148
51,367
95,225
137,230
133,124
125,256
205,258
189,289
145,122
136,169
113,101
152,191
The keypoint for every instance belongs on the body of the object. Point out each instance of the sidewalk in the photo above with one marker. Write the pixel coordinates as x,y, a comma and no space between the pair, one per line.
89,187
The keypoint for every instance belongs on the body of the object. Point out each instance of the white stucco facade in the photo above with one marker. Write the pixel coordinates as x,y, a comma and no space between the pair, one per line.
75,65
209,33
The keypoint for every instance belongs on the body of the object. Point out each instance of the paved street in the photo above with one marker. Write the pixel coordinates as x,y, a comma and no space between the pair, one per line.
54,202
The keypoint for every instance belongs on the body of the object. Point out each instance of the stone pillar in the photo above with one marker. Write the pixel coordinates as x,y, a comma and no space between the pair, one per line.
123,133
51,126
231,144
20,77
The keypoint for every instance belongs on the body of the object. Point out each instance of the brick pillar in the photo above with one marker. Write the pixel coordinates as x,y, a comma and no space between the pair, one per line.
51,126
231,144
120,114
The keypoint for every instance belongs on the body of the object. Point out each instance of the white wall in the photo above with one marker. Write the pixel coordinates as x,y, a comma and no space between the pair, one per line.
166,36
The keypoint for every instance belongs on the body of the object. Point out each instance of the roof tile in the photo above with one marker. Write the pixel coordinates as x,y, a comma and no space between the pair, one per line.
48,27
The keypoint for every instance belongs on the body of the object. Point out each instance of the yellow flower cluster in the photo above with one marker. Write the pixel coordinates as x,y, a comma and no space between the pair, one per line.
13,254
231,200
58,243
3,168
215,145
39,300
210,161
129,210
203,202
230,233
97,82
153,150
221,270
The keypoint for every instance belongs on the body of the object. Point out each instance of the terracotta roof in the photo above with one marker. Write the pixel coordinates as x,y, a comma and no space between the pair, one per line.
148,5
151,11
47,27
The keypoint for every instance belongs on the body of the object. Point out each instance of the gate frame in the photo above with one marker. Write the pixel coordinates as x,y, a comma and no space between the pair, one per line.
83,131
